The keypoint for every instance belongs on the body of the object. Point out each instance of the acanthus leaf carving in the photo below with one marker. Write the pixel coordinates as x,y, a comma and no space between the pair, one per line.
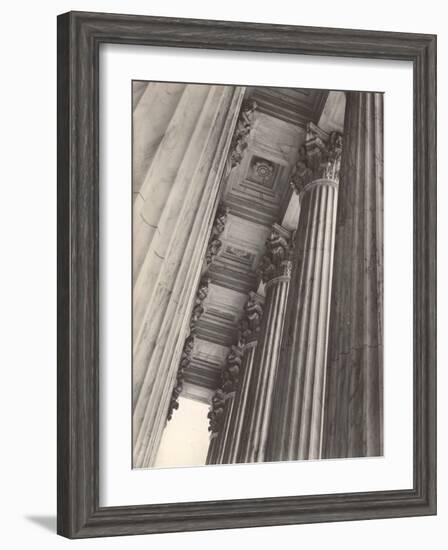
198,307
229,382
318,158
250,322
216,412
185,359
276,261
215,242
243,128
248,329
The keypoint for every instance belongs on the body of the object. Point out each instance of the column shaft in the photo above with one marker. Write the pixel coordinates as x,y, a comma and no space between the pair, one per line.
235,433
274,271
222,439
296,422
262,383
354,390
229,402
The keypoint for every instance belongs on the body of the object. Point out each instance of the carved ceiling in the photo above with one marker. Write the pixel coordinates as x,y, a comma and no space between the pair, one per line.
258,188
256,195
297,106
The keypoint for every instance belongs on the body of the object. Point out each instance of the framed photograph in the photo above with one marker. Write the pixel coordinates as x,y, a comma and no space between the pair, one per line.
246,274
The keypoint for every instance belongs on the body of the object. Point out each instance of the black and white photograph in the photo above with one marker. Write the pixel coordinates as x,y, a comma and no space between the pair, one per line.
222,242
257,259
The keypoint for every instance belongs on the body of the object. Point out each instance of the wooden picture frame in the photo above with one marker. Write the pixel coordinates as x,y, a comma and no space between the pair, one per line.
79,38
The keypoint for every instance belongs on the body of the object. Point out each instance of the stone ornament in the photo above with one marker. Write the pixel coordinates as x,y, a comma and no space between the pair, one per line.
319,158
261,171
216,413
230,374
179,384
198,308
248,329
185,359
230,378
276,261
243,128
249,325
215,243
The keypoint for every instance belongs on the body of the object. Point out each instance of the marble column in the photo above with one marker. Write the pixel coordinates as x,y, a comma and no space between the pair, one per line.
233,442
353,424
173,214
275,271
296,421
222,403
219,440
228,408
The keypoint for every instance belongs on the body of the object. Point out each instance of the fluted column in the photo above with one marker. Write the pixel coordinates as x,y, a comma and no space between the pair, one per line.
173,215
296,421
354,391
234,438
229,401
275,270
219,440
222,402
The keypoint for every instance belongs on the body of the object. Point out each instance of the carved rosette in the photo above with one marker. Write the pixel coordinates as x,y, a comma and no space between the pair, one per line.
319,158
243,129
215,243
276,261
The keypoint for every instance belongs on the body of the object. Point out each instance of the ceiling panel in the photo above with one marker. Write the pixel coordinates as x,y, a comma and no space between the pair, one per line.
297,106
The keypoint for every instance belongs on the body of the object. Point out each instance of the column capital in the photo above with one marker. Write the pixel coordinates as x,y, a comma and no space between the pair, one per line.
276,262
249,325
230,378
252,343
319,159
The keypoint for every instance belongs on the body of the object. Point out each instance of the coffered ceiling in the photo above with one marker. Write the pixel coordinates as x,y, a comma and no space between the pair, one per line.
256,194
258,188
297,106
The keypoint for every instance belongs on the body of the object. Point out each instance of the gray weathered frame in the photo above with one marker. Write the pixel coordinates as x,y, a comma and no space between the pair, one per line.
79,38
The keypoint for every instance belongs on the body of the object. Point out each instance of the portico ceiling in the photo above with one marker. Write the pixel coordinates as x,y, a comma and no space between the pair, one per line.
296,106
256,194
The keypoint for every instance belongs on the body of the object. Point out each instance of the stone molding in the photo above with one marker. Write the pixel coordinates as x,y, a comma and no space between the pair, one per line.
319,183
